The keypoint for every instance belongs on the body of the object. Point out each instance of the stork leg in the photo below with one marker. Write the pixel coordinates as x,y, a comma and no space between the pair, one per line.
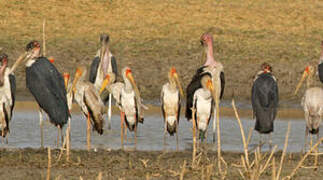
122,127
59,135
270,141
176,134
2,130
305,139
165,130
214,123
109,112
88,132
136,133
41,128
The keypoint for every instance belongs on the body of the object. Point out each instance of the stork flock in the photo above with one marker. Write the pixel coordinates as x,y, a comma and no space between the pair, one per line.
55,92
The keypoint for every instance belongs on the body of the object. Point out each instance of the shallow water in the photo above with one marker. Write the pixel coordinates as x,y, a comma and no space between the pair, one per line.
25,133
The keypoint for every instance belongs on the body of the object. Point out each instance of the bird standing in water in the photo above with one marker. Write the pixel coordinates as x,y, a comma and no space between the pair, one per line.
7,95
89,101
264,99
171,104
215,68
46,84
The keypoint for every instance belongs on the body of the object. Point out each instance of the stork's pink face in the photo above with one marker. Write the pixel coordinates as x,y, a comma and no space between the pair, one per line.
3,60
206,39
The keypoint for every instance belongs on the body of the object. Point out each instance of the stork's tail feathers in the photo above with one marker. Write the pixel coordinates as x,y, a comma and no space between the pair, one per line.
314,131
171,129
98,124
141,120
5,132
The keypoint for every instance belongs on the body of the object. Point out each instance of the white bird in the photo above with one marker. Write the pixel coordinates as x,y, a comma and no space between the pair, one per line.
203,102
312,103
171,103
7,95
215,68
130,103
88,98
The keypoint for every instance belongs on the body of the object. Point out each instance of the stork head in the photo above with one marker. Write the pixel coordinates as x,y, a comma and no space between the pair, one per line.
206,39
3,59
66,76
308,72
33,49
266,67
207,83
109,78
127,76
173,78
79,74
104,39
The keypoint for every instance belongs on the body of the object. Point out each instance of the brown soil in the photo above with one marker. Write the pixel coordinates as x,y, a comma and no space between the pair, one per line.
152,36
116,164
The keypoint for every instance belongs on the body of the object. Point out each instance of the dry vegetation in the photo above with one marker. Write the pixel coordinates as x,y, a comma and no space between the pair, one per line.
150,36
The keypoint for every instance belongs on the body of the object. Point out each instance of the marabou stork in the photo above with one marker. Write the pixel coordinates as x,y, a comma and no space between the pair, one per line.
130,103
7,95
203,103
88,98
320,66
215,69
103,64
264,99
170,97
46,84
312,103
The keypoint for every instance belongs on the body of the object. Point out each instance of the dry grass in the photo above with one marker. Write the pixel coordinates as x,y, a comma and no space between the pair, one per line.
151,36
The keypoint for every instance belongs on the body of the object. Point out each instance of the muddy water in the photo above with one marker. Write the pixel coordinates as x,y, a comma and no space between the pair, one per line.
25,133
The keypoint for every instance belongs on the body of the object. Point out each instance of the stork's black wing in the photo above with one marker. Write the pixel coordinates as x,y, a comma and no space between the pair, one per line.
265,102
47,86
94,69
222,84
190,90
320,71
12,80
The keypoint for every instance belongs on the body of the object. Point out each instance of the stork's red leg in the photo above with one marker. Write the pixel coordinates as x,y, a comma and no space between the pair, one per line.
122,127
88,132
136,132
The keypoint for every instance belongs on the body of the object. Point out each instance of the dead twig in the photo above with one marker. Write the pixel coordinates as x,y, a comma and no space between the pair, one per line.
303,159
284,152
49,164
183,170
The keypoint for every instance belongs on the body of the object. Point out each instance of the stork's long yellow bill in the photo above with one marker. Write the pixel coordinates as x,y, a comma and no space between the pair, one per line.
78,73
305,74
179,84
105,82
210,86
134,85
66,79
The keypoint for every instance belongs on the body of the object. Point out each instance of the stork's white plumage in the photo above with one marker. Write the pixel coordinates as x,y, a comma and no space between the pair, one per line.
171,103
130,104
7,81
203,103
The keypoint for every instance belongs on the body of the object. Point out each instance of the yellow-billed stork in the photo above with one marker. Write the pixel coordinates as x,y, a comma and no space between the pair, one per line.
170,97
7,95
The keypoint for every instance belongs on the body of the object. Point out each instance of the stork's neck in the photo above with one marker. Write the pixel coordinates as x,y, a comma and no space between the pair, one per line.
209,54
172,84
2,74
127,85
